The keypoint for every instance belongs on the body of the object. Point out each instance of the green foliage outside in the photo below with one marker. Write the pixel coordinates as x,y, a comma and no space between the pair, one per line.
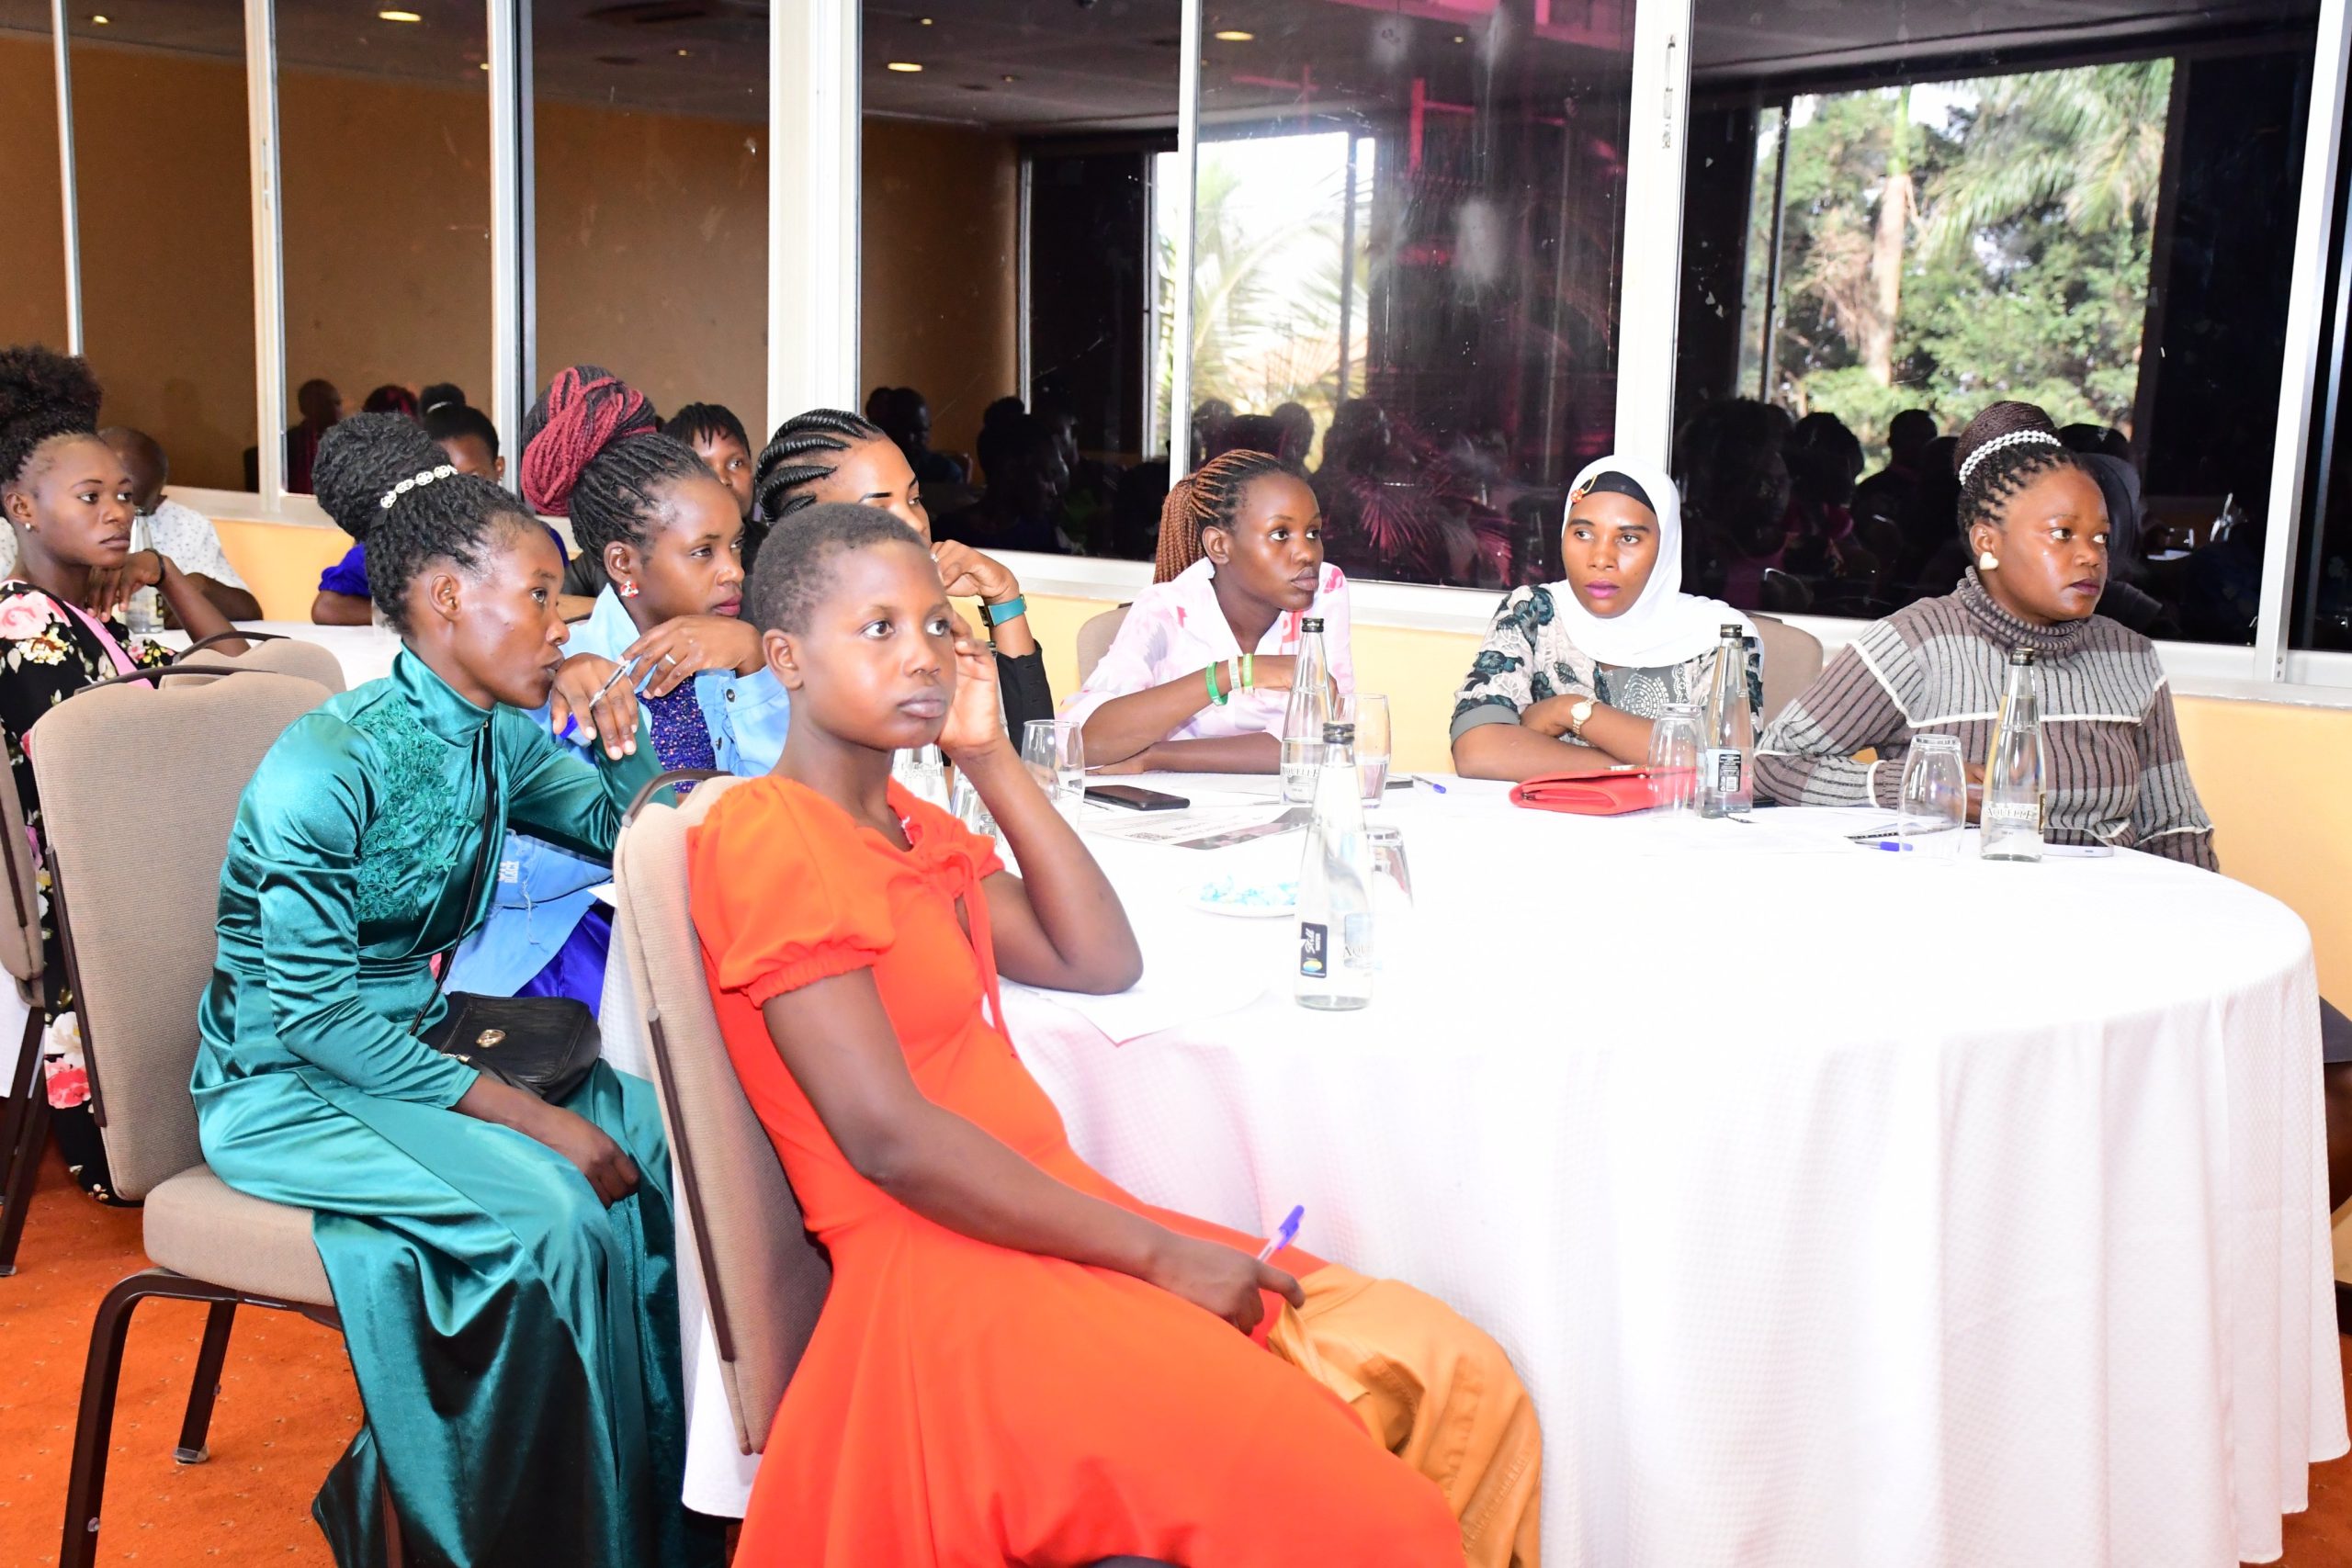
2016,238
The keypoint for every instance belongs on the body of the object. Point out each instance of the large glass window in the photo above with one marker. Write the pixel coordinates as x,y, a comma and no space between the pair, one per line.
1006,307
2320,605
384,159
1408,238
164,204
32,260
650,124
1882,237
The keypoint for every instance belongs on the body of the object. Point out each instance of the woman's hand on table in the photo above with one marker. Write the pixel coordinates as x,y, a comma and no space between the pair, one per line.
1552,715
581,695
685,646
1220,1279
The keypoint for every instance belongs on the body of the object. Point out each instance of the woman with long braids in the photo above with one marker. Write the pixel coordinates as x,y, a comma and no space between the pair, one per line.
1199,675
502,1264
68,501
668,533
829,455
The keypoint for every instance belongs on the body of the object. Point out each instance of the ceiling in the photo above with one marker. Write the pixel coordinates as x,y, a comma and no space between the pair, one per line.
1044,66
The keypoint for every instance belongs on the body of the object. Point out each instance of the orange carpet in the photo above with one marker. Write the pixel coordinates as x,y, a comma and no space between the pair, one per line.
288,1407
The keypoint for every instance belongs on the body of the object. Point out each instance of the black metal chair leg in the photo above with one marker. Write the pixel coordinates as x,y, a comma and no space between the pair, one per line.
22,1144
207,1384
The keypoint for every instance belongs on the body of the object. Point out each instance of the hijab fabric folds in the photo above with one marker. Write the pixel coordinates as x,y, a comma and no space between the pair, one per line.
1665,626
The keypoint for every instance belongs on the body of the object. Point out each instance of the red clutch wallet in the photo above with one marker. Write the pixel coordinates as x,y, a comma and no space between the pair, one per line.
1605,792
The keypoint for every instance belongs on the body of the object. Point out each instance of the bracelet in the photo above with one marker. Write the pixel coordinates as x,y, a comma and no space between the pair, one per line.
1249,672
1216,696
1013,609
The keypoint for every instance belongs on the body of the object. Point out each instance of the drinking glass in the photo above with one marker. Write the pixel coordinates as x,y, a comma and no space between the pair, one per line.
969,808
1054,749
1674,757
1368,711
1933,808
1391,895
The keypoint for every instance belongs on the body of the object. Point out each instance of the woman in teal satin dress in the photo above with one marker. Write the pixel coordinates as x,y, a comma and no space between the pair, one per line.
502,1266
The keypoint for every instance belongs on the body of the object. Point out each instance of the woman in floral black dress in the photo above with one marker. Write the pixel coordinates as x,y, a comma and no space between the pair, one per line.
67,497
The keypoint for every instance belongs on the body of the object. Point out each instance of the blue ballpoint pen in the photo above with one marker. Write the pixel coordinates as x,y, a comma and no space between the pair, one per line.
572,720
1283,1237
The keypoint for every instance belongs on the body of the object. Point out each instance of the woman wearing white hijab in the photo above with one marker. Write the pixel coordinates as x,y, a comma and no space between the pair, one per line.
1581,666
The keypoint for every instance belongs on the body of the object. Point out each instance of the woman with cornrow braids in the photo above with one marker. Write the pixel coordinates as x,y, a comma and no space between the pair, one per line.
1200,675
829,455
2035,526
502,1263
669,533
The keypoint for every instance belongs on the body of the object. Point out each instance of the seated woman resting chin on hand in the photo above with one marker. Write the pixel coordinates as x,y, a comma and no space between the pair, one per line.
1200,675
1572,673
1017,1362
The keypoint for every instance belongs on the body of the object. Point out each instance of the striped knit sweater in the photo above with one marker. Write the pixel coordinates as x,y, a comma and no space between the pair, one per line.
2112,770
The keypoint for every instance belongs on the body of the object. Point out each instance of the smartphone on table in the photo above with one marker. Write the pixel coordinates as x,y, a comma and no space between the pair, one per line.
1136,798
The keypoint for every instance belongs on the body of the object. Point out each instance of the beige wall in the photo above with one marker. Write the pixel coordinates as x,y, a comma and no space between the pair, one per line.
939,298
653,257
32,232
167,261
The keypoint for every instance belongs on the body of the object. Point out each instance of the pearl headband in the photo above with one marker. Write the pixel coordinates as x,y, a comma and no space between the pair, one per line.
444,473
2014,438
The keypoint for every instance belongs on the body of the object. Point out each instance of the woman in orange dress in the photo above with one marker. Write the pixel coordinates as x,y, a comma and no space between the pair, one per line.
1018,1363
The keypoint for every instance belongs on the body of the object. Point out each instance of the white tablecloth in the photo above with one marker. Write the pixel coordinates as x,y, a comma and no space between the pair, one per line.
366,651
1837,1208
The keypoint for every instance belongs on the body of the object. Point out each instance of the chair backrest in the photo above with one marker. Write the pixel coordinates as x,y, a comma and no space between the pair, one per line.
766,1281
285,656
1792,662
20,950
1095,637
134,857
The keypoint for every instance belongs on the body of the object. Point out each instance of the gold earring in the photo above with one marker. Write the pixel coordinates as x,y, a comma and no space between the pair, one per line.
1986,560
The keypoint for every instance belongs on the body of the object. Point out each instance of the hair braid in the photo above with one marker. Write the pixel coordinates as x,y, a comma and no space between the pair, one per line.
591,451
1211,494
799,454
2001,473
454,517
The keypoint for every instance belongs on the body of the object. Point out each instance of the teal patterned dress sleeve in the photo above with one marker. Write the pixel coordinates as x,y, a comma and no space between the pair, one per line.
304,819
554,791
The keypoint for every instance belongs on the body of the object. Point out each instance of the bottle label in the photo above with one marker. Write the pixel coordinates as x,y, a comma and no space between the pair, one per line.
1313,950
1722,769
2021,814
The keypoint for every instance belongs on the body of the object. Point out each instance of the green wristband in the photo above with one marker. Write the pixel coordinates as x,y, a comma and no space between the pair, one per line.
1209,675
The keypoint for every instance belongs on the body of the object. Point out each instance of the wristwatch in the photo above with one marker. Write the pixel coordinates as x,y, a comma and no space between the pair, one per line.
1013,609
1579,716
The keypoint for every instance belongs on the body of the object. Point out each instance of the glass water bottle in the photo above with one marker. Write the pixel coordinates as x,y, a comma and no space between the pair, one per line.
1308,711
1727,765
1336,959
2012,814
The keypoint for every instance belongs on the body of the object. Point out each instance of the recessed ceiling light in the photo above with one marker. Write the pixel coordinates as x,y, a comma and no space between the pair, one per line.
398,17
485,65
1234,35
685,53
922,21
1459,39
908,66
1013,78
100,21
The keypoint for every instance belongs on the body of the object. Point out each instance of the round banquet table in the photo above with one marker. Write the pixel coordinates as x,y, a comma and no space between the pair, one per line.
1836,1207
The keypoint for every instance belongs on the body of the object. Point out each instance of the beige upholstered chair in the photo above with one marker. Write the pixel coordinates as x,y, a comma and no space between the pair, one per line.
766,1281
280,655
131,907
25,1130
1792,661
1095,637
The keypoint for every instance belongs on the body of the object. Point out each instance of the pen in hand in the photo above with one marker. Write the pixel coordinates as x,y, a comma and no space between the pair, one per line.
1285,1235
572,720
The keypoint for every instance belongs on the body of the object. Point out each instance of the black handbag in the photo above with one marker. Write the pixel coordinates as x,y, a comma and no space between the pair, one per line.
545,1044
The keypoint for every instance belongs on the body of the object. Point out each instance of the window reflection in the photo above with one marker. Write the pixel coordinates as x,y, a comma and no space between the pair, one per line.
32,262
1871,261
1408,232
650,129
165,191
384,158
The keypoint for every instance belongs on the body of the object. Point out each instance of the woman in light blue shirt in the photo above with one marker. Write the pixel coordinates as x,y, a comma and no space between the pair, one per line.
670,536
